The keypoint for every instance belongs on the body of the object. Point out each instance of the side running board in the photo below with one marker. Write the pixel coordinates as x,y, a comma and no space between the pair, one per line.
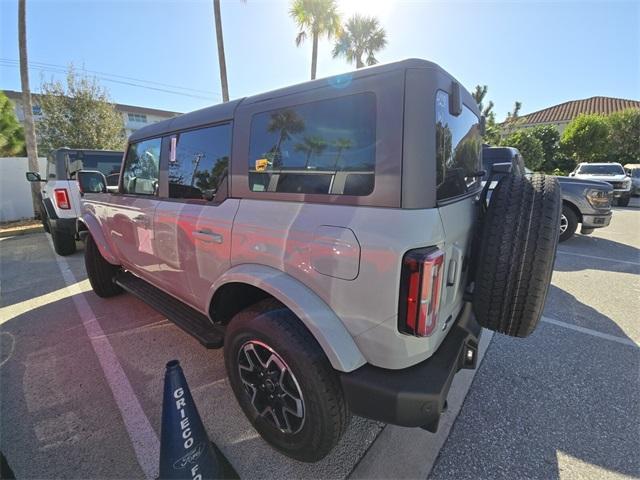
188,319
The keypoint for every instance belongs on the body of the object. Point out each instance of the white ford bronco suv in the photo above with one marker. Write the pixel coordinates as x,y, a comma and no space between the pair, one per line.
61,190
332,236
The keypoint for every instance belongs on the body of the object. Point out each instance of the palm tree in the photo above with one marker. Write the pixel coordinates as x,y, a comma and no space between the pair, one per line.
313,145
30,131
360,36
221,56
315,18
340,145
285,122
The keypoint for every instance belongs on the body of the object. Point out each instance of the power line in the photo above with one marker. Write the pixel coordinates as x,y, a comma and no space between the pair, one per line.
65,68
60,69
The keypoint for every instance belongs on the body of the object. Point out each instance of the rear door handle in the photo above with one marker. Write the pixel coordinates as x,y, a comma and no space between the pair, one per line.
207,236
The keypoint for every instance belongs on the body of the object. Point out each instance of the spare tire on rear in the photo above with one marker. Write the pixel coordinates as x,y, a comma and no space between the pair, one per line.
517,252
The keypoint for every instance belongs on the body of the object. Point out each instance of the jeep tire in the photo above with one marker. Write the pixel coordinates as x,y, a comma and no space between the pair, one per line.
568,223
284,382
100,272
517,253
64,242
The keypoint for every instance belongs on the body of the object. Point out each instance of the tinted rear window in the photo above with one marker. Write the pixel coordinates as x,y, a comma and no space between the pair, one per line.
324,147
458,150
107,163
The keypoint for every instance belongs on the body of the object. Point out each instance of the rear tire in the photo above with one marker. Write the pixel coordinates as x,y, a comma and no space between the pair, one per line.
311,386
568,223
100,272
64,242
517,253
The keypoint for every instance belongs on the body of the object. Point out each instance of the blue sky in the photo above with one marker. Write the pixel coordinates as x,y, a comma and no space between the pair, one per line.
541,53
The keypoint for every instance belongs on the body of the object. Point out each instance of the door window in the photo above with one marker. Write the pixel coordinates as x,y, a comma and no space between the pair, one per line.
141,168
324,147
200,166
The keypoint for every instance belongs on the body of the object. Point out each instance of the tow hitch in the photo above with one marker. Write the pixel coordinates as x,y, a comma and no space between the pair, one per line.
469,355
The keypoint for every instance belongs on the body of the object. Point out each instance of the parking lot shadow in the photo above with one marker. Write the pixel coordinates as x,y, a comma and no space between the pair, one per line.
563,306
603,254
548,406
56,409
28,269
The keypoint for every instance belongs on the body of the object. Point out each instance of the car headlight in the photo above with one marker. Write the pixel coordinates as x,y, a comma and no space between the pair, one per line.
598,198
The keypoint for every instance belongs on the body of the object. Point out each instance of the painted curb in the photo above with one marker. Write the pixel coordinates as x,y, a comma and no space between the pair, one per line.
12,232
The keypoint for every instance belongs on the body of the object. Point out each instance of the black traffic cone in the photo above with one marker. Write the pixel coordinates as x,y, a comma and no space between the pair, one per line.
185,450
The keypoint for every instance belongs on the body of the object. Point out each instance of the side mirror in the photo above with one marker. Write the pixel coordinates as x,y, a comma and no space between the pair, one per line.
91,181
34,177
572,174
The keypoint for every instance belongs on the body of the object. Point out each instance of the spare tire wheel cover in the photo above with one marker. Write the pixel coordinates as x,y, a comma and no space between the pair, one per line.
517,252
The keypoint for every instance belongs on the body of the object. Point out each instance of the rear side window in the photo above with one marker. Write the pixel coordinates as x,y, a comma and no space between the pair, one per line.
200,166
141,168
105,162
51,166
324,147
458,150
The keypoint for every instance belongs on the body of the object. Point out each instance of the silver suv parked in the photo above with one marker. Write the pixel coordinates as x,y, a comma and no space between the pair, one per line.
332,237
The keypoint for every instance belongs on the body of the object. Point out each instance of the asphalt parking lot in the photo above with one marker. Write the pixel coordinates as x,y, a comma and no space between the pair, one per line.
81,382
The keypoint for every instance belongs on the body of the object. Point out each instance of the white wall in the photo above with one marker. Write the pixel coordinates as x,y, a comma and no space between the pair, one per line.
15,191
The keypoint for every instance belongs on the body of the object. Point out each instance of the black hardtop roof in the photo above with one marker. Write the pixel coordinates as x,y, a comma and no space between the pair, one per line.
499,152
90,150
225,111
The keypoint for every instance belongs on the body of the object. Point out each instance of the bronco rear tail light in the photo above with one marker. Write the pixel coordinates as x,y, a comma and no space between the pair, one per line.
62,198
420,291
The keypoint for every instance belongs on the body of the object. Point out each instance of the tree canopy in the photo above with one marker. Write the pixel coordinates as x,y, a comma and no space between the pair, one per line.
78,114
315,18
586,138
361,35
529,146
12,141
624,136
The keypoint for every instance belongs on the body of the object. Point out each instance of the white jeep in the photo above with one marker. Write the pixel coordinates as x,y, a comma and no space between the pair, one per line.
60,193
332,237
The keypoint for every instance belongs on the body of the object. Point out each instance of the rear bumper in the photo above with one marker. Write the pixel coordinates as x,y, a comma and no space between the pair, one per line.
596,221
414,396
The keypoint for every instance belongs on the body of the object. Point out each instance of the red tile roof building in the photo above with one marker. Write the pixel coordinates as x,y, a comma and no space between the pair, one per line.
561,115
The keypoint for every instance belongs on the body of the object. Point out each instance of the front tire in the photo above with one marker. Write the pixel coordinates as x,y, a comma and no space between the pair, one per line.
568,223
284,382
100,272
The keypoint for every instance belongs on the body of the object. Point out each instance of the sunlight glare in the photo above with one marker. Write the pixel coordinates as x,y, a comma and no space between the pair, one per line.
376,8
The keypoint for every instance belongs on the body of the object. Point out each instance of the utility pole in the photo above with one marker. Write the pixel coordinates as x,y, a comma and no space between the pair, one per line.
30,131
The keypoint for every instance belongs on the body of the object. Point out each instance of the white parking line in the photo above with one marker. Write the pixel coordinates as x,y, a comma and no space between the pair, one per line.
606,259
588,331
144,440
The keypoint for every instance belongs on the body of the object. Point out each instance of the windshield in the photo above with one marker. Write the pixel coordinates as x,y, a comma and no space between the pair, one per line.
611,169
105,162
